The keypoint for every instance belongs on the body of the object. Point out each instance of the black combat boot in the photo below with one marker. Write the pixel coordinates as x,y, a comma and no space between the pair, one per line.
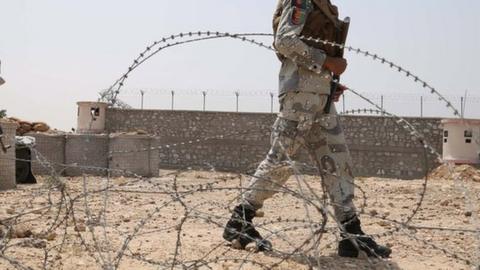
346,247
240,231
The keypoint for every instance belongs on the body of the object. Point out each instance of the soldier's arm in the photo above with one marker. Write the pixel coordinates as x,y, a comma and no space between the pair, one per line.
287,40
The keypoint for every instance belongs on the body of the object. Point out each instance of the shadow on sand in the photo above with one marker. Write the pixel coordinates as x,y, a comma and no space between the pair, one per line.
335,262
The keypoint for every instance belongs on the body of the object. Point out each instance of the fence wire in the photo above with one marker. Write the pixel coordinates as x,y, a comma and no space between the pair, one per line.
175,221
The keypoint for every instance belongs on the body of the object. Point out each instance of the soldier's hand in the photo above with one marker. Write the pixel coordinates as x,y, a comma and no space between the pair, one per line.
340,89
336,65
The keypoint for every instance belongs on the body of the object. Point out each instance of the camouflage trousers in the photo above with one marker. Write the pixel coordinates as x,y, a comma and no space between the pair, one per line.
302,123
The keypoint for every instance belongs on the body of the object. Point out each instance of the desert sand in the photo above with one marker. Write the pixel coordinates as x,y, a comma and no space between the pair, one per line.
177,219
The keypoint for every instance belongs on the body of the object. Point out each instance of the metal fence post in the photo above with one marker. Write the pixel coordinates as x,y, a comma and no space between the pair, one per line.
142,93
421,106
271,102
381,104
204,99
2,81
237,94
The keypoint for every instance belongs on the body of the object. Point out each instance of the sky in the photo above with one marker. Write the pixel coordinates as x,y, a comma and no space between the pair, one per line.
57,52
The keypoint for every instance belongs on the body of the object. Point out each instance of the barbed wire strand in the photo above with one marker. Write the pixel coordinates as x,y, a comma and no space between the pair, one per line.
62,200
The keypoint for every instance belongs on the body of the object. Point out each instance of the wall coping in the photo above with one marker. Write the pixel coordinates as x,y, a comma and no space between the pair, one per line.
45,134
9,123
131,136
262,113
193,111
92,103
461,121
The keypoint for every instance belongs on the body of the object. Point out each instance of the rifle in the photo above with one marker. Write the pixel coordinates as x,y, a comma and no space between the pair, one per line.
342,39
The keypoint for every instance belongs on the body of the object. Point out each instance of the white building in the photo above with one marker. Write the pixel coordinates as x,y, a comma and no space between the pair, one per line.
91,117
461,141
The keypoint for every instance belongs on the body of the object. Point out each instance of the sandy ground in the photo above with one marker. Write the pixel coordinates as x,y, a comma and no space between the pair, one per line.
148,224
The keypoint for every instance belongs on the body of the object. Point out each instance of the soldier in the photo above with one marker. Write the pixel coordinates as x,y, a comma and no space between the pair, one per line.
305,121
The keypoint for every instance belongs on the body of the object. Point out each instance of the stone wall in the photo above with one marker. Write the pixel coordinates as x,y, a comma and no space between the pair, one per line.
88,151
7,160
239,141
229,142
381,147
51,147
134,154
78,154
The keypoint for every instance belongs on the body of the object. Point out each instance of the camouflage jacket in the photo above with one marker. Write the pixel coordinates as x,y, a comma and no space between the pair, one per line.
302,64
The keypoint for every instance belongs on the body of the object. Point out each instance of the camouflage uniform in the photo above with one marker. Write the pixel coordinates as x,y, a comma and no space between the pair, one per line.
302,123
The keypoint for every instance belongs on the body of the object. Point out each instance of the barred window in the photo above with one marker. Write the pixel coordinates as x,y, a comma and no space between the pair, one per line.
95,111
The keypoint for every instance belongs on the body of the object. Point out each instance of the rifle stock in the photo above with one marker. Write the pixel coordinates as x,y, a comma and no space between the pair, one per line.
342,39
